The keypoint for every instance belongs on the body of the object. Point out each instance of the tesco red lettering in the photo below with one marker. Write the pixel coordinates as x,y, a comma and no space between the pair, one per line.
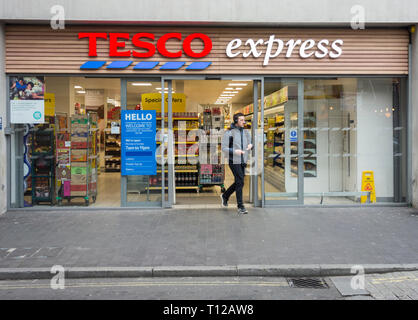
139,40
143,44
114,45
92,41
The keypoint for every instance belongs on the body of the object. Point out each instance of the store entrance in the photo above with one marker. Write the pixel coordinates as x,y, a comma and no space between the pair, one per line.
199,113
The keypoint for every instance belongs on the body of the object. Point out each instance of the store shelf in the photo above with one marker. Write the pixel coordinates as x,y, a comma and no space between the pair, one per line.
177,187
181,171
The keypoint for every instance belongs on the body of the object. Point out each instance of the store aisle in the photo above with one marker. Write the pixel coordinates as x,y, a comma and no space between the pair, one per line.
108,190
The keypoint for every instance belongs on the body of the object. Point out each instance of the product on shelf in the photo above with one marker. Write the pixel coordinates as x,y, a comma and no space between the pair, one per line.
112,147
83,170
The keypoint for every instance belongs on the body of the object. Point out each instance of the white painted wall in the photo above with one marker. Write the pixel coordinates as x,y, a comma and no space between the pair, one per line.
231,12
414,120
3,152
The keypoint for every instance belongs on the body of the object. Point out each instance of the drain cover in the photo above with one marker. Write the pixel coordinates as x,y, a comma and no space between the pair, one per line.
309,283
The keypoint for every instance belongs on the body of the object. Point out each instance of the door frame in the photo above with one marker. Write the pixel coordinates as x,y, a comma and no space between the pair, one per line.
123,179
257,85
300,130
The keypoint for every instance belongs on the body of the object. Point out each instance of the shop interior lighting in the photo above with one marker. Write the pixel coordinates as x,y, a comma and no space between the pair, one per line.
78,87
238,84
142,84
81,91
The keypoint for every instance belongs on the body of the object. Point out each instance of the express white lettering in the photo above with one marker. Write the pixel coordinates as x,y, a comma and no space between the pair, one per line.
275,46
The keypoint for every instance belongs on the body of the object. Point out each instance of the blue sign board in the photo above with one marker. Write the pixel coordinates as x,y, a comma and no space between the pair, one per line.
138,142
293,136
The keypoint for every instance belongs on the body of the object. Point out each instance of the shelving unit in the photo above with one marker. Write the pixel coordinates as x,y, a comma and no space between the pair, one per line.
84,159
112,148
211,173
186,175
310,159
63,154
43,164
274,150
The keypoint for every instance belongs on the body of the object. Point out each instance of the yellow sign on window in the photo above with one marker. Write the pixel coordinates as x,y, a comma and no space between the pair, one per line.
49,99
152,101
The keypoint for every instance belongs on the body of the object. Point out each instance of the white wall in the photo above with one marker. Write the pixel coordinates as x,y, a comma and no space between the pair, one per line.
60,87
375,133
414,120
3,153
231,12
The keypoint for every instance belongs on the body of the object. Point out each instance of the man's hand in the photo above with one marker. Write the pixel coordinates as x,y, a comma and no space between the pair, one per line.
250,146
239,152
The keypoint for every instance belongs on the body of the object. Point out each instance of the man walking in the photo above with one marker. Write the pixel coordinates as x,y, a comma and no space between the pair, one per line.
236,145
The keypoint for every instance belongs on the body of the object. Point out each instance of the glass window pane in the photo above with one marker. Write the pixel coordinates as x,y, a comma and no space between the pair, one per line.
358,147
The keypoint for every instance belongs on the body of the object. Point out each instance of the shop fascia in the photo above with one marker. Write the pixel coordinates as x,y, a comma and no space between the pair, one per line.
235,48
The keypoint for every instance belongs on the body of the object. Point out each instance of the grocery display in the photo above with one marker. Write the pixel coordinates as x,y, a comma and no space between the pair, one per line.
83,160
185,147
63,154
212,171
112,146
43,164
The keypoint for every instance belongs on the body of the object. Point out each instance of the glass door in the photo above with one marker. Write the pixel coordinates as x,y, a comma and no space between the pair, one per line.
282,118
142,189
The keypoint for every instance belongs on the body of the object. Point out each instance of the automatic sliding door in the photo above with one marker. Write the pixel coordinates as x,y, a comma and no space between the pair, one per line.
143,189
283,141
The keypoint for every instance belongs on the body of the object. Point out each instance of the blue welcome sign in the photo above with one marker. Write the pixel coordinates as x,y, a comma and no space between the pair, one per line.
138,131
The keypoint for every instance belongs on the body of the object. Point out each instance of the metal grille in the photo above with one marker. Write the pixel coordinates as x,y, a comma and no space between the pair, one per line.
309,283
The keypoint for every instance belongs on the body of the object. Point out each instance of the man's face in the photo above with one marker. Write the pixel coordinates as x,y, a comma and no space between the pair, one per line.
241,122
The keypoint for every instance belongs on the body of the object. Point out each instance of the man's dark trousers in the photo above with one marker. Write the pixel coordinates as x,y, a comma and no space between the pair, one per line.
238,170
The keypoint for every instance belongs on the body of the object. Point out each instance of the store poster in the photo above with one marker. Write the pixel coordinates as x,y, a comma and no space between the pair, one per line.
138,132
27,103
49,104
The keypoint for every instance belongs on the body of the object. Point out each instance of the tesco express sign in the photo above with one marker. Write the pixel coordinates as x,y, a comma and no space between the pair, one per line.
235,48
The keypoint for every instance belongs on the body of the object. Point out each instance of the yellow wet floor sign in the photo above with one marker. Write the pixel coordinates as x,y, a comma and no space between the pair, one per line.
367,184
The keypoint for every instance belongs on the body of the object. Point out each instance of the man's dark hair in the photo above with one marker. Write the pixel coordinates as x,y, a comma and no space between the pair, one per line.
237,115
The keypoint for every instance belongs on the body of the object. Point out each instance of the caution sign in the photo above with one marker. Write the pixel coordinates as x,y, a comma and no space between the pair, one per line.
367,184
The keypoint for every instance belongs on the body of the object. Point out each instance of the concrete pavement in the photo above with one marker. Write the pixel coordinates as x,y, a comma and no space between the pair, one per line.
208,242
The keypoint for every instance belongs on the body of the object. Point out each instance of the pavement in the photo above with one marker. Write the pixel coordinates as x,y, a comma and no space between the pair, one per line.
302,242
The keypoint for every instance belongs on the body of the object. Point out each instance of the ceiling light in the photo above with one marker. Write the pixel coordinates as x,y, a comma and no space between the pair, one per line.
81,91
144,84
229,88
78,87
237,84
238,88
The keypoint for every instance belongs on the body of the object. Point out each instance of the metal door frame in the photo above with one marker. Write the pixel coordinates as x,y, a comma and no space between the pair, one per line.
257,85
123,179
300,178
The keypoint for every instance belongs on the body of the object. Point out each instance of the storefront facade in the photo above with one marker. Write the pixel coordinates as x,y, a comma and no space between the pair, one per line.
327,92
327,105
